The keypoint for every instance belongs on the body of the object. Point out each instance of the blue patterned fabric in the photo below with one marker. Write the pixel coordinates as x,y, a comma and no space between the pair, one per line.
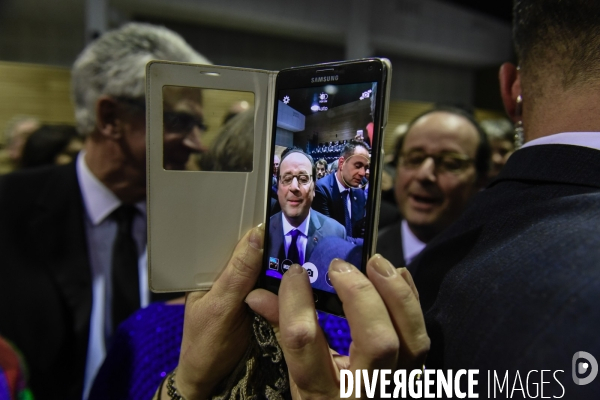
146,348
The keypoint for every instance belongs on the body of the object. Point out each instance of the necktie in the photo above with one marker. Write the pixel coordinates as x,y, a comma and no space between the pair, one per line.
125,279
293,250
348,223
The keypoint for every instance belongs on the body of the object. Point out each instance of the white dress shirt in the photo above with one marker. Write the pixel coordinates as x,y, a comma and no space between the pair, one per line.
411,245
302,238
99,202
584,139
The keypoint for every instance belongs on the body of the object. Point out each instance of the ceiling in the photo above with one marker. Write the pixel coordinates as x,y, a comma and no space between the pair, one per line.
500,9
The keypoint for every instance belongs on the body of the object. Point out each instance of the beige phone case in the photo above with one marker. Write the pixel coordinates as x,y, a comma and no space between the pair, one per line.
196,218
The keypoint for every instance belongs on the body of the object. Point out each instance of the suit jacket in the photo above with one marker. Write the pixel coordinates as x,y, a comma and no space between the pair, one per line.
389,244
46,289
514,284
45,277
328,201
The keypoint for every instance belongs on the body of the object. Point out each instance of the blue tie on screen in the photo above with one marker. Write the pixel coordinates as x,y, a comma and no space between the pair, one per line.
293,250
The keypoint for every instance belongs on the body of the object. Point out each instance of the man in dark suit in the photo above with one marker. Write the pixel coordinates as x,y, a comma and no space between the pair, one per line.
442,163
296,230
73,237
338,195
514,284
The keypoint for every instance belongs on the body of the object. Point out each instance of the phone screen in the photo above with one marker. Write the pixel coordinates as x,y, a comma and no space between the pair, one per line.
321,206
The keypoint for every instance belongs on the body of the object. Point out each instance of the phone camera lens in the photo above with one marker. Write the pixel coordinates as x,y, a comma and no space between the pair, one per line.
370,68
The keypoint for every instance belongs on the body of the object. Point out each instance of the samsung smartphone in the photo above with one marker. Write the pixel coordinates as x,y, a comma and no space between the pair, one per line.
326,116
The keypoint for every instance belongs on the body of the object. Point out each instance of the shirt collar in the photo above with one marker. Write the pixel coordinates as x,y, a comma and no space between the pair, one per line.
303,227
411,245
585,139
99,201
340,185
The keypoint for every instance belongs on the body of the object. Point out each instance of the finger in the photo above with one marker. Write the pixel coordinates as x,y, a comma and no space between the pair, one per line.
242,270
375,342
302,340
404,309
265,304
408,278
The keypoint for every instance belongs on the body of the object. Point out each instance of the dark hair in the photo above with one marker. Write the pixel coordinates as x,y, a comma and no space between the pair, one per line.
483,152
295,149
321,162
351,146
562,33
45,144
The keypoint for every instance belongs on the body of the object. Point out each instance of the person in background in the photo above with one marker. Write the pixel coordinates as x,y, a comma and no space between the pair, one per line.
442,163
339,196
321,168
51,145
502,142
73,237
16,133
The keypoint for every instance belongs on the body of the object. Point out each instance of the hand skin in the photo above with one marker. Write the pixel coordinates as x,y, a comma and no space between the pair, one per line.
218,324
383,312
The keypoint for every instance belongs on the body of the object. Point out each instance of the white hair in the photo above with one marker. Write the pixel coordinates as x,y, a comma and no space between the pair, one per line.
115,65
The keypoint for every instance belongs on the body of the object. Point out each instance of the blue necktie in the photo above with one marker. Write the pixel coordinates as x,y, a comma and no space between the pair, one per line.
293,250
348,223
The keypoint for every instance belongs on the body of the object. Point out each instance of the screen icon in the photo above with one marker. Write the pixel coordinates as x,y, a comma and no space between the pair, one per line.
273,263
312,271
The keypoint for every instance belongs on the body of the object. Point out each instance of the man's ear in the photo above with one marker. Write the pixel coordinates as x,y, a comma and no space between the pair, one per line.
510,89
340,162
107,117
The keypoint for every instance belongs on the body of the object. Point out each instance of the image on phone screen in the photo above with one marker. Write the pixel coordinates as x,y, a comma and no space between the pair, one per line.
319,188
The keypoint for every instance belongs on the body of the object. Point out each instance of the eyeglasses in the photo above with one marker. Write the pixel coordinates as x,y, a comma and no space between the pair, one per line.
182,122
176,122
303,179
444,162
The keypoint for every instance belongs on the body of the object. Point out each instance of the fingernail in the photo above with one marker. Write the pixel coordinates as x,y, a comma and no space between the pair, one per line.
382,266
338,265
256,237
295,269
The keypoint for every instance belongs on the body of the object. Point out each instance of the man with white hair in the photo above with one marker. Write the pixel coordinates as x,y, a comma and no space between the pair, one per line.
73,238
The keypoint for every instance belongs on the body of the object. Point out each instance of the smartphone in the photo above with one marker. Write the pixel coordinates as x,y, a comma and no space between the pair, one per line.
325,116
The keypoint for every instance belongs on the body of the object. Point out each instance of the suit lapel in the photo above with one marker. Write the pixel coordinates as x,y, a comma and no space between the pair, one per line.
358,205
58,233
337,212
314,234
276,248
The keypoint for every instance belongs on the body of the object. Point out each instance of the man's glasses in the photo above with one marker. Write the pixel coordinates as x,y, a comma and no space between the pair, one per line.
176,122
303,179
182,122
444,162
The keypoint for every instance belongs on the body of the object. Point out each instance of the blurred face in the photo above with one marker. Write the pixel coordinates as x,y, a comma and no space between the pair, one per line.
183,125
501,150
295,191
354,168
320,171
436,176
275,165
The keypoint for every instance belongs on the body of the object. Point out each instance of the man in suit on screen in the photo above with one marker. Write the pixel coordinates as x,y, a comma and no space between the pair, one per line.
297,230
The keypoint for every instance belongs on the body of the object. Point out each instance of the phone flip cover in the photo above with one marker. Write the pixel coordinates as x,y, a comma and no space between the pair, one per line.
196,218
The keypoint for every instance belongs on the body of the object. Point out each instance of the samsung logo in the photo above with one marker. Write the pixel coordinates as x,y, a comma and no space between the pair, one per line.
319,79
